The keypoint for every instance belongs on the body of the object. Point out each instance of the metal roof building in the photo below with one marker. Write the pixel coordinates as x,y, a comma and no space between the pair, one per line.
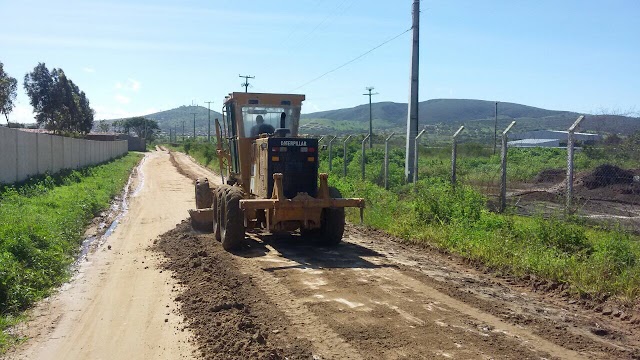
534,143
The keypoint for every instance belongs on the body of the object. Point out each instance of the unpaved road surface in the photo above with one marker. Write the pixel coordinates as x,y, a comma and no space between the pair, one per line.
372,297
119,306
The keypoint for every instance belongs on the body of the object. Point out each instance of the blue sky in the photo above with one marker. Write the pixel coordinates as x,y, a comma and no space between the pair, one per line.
135,57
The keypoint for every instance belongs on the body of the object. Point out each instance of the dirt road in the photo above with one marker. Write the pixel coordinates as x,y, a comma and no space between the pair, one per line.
119,306
372,297
375,298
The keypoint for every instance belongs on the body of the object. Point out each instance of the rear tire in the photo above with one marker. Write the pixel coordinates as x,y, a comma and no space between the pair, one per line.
232,224
331,224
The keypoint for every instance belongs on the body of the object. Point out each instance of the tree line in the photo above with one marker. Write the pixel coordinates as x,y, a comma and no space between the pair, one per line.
59,104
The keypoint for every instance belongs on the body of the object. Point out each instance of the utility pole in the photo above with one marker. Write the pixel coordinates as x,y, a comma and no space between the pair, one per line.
182,130
495,130
194,126
209,129
246,81
370,115
412,117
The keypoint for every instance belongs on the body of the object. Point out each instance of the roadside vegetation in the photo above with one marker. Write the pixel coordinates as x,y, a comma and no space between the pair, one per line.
588,261
43,221
585,260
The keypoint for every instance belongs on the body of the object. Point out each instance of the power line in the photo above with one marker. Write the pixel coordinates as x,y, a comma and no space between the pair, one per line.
352,60
336,10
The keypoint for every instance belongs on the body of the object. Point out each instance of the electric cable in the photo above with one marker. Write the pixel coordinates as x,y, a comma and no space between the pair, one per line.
352,60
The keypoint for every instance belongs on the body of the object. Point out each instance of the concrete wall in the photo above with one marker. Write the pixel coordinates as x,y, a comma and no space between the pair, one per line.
25,154
8,155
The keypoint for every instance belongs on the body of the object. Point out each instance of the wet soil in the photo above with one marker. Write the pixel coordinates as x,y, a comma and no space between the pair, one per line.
229,316
373,297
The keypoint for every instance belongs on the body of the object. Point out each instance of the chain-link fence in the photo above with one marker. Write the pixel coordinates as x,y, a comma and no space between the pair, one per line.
525,173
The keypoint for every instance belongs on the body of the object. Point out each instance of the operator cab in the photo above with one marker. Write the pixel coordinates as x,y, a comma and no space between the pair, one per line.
262,134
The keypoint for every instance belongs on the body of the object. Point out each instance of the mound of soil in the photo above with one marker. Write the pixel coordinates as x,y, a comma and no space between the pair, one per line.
230,317
605,175
551,176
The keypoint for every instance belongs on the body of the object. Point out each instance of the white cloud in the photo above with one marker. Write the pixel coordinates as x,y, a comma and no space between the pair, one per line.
122,99
129,85
88,69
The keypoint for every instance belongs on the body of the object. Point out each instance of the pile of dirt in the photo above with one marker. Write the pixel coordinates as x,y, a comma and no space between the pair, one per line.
230,317
551,176
605,175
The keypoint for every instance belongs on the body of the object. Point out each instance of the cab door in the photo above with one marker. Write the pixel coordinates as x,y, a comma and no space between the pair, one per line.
232,137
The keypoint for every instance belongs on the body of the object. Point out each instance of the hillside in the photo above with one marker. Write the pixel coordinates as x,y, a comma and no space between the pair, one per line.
444,116
441,116
174,118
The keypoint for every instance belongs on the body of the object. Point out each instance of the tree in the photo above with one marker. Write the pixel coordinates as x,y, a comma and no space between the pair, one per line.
8,92
57,101
103,126
142,127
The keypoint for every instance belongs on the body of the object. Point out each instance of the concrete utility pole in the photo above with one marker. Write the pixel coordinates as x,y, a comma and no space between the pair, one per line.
495,130
194,126
412,118
209,129
370,115
246,81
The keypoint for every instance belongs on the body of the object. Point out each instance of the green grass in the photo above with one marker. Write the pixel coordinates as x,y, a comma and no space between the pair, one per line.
203,152
42,225
595,263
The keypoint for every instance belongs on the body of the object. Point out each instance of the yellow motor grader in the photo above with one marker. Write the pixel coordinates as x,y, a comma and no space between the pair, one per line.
272,181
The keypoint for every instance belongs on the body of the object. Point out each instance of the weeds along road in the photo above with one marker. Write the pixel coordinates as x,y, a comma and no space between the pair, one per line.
281,297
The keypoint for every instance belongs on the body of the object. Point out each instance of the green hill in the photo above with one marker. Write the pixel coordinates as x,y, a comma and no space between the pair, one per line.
443,116
174,119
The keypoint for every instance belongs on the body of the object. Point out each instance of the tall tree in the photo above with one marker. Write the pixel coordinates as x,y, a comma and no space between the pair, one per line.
58,102
142,127
8,92
39,87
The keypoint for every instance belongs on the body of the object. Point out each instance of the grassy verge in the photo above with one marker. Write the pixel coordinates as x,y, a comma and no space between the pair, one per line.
41,229
594,263
203,152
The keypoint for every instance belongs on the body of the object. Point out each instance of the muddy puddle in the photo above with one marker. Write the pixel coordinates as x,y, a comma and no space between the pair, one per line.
110,219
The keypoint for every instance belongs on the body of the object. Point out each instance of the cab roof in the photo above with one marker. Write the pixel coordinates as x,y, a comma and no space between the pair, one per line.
265,99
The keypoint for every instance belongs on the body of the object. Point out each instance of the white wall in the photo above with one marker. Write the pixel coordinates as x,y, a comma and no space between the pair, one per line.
24,154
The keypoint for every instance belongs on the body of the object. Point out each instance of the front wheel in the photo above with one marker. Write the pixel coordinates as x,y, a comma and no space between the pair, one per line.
232,219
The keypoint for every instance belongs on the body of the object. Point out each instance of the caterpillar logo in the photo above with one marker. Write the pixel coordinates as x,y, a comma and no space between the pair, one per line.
293,143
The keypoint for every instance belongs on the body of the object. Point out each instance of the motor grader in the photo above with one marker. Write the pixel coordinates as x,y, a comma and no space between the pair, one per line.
272,182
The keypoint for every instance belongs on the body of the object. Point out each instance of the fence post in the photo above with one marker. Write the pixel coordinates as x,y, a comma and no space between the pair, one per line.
415,157
386,161
503,163
570,145
363,154
344,171
331,151
454,154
